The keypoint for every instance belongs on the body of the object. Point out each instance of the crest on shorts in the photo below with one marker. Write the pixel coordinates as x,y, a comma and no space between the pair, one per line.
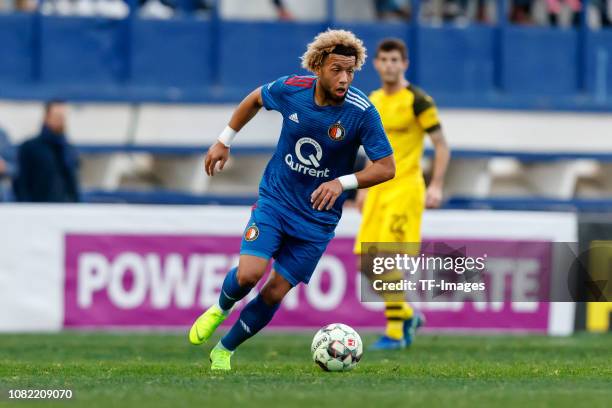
251,233
336,132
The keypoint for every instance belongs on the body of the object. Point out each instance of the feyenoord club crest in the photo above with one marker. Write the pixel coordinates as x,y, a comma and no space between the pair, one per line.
251,233
336,132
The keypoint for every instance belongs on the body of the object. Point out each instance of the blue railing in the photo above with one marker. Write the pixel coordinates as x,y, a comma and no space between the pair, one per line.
213,60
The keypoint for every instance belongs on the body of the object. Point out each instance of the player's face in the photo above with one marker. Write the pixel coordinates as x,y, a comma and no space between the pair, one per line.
55,118
336,75
390,66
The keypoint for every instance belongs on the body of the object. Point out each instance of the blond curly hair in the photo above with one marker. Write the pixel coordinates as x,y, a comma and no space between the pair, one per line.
325,42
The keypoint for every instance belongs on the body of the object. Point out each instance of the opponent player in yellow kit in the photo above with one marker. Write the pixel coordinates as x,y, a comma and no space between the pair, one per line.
392,211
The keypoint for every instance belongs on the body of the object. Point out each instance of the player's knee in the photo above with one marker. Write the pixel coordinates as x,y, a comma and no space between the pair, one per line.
272,294
274,291
248,276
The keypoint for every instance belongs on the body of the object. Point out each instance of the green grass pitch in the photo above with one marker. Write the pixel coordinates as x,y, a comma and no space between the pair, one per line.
163,370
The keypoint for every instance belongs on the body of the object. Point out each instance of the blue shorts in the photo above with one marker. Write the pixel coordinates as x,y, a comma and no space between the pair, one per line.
271,233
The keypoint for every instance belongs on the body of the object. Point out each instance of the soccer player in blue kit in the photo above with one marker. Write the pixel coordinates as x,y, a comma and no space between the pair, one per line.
325,121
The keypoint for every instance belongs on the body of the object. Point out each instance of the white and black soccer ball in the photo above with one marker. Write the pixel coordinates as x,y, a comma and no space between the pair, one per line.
336,347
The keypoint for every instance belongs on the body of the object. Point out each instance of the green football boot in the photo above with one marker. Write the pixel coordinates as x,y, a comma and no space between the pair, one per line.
206,324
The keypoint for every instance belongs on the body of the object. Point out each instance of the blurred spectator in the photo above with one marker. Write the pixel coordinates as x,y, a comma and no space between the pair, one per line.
554,8
386,9
7,164
604,7
19,5
481,11
25,5
85,8
203,7
281,10
455,10
520,12
160,9
48,163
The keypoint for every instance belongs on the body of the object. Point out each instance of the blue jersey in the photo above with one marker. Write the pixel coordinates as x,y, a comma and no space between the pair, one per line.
316,144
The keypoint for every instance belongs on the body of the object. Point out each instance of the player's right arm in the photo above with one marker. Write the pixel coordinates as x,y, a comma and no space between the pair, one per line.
246,110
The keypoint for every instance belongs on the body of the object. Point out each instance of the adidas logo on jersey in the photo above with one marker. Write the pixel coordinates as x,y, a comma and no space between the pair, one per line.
294,117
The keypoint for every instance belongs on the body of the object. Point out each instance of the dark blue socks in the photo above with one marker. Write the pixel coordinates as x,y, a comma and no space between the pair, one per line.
254,317
231,291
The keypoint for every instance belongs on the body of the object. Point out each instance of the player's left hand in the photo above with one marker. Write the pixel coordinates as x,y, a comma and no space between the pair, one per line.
433,198
326,195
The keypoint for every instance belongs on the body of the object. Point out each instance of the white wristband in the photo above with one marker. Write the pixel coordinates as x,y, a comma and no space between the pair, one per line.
349,182
227,136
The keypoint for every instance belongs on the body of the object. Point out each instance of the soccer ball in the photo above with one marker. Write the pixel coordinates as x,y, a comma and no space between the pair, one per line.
336,347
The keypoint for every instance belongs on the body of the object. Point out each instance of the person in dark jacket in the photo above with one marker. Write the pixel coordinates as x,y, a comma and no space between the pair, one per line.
48,163
7,165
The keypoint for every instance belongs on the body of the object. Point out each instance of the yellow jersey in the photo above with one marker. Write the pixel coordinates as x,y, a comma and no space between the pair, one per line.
392,211
407,115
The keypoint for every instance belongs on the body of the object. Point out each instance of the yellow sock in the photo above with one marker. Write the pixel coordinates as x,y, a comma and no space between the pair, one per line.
396,313
397,310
